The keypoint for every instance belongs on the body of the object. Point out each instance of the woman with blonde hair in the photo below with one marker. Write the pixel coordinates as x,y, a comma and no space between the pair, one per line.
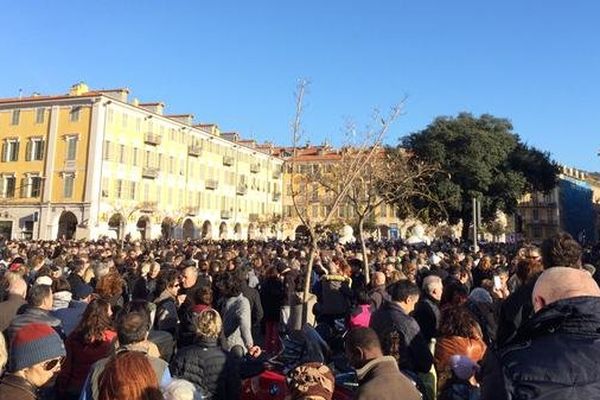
205,364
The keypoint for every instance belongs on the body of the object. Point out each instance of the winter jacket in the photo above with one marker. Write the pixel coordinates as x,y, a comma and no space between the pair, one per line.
144,289
335,295
378,296
427,314
486,315
256,307
159,366
515,310
401,337
70,316
166,314
553,356
271,296
15,387
380,379
9,308
459,390
78,286
207,366
34,315
80,358
237,323
360,316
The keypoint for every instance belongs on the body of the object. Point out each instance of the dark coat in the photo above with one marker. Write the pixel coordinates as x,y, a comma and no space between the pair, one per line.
516,309
336,295
256,307
427,315
554,355
9,308
207,366
271,296
378,296
166,314
70,316
401,337
15,387
380,379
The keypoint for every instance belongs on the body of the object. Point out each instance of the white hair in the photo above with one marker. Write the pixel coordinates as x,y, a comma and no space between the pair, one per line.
180,389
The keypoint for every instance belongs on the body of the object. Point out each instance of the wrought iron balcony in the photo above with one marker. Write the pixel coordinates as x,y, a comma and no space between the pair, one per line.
255,168
228,161
152,138
150,172
211,184
242,189
225,214
194,150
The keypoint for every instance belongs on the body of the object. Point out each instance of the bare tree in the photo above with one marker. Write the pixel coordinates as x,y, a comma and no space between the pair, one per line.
300,180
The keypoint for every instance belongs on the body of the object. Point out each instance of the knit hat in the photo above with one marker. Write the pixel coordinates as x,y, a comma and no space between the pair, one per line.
33,344
463,367
314,380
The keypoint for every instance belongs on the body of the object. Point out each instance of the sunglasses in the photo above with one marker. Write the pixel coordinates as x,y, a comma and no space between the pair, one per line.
50,365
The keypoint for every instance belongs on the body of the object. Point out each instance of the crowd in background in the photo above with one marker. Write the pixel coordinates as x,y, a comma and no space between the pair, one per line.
190,319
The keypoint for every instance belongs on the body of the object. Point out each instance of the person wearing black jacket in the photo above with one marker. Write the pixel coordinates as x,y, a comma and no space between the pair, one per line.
256,308
399,333
205,365
427,311
555,353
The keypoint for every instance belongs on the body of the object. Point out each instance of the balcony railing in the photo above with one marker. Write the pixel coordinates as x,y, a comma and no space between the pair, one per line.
148,206
211,184
254,168
191,211
228,161
225,214
194,150
152,138
253,217
150,172
242,189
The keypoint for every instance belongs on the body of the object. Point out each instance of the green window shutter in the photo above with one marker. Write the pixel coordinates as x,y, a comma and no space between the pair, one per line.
4,148
17,144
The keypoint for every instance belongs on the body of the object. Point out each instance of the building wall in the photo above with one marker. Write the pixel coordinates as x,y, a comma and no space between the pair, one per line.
113,157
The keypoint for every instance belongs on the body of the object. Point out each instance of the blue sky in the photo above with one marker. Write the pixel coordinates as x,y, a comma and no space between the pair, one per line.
236,62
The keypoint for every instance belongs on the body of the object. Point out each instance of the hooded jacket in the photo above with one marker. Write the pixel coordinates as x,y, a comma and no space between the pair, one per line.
553,356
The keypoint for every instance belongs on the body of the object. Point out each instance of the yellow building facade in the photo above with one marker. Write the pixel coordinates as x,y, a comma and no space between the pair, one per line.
107,166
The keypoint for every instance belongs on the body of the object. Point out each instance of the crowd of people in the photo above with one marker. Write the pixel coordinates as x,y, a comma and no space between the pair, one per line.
184,320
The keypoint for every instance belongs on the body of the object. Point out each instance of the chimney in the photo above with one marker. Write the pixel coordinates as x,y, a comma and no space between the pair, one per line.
187,119
231,136
78,89
157,108
135,102
121,94
212,129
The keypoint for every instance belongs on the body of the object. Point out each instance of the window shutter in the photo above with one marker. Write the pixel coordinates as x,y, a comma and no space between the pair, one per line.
17,143
28,148
24,187
4,149
42,148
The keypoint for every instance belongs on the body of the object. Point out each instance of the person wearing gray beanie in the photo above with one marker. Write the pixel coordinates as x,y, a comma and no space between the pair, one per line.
36,355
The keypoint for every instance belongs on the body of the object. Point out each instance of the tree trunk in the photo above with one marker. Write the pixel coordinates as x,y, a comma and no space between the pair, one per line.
308,276
363,245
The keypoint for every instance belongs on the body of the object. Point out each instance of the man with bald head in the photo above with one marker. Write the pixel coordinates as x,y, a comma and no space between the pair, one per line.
17,292
555,354
378,293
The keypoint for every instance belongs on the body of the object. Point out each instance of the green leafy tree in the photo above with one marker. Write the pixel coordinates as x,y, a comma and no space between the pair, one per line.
482,158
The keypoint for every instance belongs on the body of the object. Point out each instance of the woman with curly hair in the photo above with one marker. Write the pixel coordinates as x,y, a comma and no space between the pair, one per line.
91,340
110,287
459,334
